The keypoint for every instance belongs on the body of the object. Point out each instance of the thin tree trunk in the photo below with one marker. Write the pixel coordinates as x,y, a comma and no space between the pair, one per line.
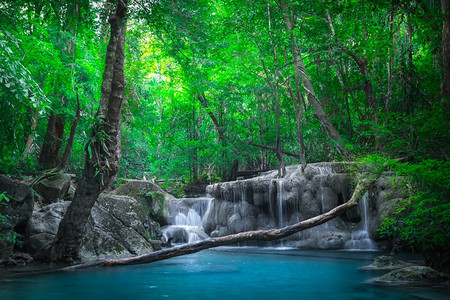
257,235
73,128
300,71
446,61
220,130
339,75
276,94
298,99
29,140
49,155
102,150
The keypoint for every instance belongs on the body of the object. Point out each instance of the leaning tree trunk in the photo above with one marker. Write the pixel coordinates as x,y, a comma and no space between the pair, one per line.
103,148
256,235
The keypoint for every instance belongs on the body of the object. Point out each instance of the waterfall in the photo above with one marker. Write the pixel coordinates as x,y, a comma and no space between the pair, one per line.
276,202
185,216
325,170
280,203
271,199
360,240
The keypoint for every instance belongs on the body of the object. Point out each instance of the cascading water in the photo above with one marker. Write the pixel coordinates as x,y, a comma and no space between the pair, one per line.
325,170
360,240
276,202
186,225
280,203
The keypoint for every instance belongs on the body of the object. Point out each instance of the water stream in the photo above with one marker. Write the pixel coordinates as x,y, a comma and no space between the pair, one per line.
323,171
186,225
360,239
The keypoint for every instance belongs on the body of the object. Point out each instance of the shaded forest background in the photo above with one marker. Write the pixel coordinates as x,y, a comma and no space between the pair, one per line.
252,84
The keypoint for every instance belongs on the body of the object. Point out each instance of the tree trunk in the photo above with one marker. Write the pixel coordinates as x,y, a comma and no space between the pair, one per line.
300,71
53,138
297,99
73,128
446,61
276,95
220,130
29,140
102,150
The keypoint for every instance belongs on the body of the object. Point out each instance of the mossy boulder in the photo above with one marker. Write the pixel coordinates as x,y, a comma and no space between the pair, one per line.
413,275
16,211
385,263
151,195
53,188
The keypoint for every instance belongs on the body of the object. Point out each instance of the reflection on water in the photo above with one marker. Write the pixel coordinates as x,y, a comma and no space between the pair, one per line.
225,273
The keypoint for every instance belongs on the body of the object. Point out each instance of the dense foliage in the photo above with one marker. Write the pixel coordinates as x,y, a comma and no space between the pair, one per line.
211,83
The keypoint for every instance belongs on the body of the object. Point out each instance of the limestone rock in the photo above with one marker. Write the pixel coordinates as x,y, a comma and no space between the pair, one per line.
150,194
414,275
43,226
385,263
267,202
118,225
17,211
53,188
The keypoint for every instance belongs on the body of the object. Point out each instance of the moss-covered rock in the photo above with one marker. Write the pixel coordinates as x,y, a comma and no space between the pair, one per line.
413,275
151,195
385,263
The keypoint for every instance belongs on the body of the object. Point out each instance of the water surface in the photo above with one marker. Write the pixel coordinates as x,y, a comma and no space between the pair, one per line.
228,273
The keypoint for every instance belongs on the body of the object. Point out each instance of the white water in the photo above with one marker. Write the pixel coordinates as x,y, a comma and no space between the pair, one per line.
280,203
360,239
323,171
187,227
276,202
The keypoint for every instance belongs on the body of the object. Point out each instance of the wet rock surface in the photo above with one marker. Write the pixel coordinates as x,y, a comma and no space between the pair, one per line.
413,275
17,208
385,263
119,225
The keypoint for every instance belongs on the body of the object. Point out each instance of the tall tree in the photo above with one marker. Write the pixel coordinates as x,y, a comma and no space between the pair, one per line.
103,148
446,60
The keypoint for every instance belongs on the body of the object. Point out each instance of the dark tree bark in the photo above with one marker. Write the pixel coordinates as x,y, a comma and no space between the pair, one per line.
49,156
73,128
446,60
258,235
103,148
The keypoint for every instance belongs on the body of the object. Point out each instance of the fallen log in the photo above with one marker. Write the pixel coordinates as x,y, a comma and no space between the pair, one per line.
258,235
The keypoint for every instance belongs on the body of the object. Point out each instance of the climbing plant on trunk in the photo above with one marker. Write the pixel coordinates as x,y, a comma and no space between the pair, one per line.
102,149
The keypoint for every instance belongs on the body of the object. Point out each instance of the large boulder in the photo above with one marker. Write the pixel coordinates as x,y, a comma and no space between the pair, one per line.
385,263
15,212
43,226
413,275
149,194
118,226
53,187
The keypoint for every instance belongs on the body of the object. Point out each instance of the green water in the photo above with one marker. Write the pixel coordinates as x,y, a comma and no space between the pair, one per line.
221,274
